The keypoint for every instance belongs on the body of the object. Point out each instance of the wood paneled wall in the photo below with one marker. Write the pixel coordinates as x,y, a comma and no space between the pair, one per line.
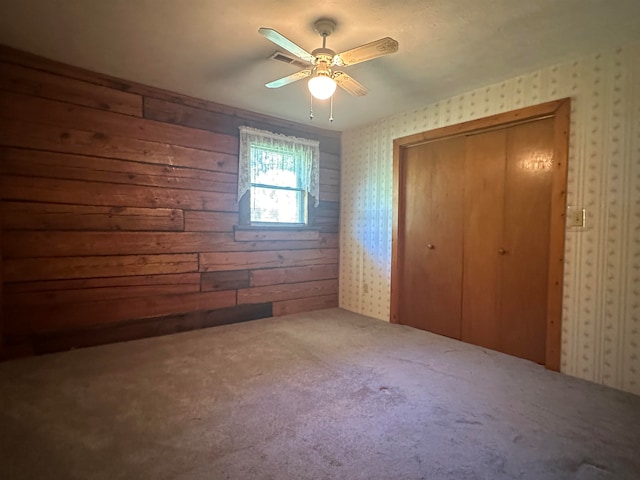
118,207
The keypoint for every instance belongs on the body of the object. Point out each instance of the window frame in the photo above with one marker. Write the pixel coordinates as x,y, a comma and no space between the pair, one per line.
244,216
303,210
308,200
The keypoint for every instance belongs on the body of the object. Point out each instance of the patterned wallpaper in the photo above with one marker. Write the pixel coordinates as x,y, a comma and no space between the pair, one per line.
601,306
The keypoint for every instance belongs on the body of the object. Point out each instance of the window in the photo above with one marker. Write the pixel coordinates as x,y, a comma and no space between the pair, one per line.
279,173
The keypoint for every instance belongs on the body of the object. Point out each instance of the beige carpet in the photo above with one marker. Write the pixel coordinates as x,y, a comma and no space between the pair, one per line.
324,395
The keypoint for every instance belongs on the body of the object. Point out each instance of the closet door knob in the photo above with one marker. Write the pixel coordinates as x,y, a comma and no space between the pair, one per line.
502,251
430,246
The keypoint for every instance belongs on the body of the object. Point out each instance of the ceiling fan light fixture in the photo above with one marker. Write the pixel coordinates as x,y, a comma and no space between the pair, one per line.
322,79
322,86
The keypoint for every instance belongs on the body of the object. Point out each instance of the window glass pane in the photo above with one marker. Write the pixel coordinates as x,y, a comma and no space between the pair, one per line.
273,168
275,205
279,178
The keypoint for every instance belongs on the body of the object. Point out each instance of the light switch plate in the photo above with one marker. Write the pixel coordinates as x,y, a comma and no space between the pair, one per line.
576,217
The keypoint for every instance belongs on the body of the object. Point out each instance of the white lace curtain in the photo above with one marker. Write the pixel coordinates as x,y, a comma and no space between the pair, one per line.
306,153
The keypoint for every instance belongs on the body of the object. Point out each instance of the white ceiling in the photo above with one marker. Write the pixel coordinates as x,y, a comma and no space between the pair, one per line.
210,49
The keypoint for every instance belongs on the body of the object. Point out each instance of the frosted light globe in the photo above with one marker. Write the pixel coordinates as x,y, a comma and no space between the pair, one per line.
322,87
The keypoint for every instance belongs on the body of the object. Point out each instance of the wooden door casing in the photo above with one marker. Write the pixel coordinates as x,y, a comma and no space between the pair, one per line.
551,303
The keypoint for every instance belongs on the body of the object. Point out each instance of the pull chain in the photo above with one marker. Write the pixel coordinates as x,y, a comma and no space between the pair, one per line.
331,111
311,109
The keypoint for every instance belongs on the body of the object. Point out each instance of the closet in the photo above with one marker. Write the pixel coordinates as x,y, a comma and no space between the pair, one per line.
479,232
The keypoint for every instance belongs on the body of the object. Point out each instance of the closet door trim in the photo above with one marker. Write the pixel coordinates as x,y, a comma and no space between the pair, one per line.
560,111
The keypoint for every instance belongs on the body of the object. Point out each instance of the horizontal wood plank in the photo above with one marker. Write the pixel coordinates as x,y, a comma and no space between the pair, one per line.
330,194
219,261
18,79
87,314
53,138
16,106
171,112
299,305
200,221
307,273
329,177
19,244
46,216
94,289
33,244
288,291
332,189
227,122
30,269
328,209
36,163
77,192
104,282
329,228
150,327
328,160
321,221
231,280
326,217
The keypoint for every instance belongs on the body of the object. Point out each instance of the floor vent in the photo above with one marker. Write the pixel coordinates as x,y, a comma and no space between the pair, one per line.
283,57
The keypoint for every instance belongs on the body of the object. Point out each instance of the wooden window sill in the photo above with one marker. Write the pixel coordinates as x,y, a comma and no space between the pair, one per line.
253,233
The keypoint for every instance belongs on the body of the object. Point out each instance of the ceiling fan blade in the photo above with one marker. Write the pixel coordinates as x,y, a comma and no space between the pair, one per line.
366,52
349,84
284,42
281,82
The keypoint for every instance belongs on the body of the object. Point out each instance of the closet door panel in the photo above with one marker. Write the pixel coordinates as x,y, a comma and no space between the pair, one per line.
446,236
417,173
431,296
483,229
523,297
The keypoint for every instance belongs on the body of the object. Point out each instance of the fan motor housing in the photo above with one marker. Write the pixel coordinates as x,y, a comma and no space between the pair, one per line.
323,55
322,68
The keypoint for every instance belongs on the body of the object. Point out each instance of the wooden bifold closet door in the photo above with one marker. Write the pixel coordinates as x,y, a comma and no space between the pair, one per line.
473,241
432,271
506,239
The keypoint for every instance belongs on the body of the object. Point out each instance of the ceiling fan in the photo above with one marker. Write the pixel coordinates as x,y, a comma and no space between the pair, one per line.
325,65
